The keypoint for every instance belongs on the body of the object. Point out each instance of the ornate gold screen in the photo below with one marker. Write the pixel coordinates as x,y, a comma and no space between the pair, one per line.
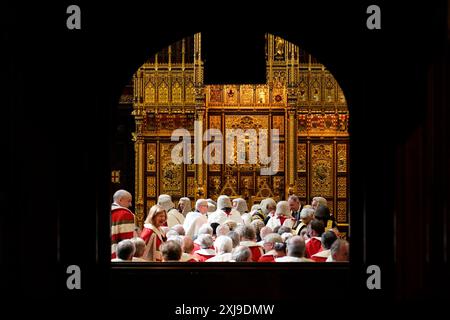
301,99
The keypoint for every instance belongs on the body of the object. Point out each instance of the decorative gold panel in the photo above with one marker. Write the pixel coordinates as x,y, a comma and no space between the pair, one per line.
301,187
301,157
245,122
262,94
278,123
163,93
150,93
231,95
190,92
261,180
330,206
190,187
342,212
246,186
150,203
315,89
176,92
247,94
151,157
151,186
342,187
214,186
342,157
321,170
278,185
171,174
215,122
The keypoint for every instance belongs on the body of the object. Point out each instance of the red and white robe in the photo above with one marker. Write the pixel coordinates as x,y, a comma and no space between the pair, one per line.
321,256
268,256
255,248
280,220
312,246
204,254
122,226
153,238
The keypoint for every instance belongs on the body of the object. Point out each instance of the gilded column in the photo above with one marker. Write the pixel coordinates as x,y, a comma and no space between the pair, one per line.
291,152
138,139
199,117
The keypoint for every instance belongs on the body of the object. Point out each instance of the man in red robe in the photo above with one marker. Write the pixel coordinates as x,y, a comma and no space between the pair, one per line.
122,220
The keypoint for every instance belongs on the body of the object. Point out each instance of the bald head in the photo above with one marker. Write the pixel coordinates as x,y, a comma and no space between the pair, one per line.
122,198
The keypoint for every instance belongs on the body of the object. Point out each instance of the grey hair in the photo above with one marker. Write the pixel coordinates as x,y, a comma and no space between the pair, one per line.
171,233
222,230
249,233
223,244
119,194
139,244
273,238
125,249
235,237
179,229
293,197
306,212
177,239
205,229
336,246
321,200
241,254
296,247
205,241
200,202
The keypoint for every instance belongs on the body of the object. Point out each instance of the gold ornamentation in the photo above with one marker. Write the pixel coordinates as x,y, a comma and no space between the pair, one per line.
163,93
301,157
246,94
342,157
342,187
342,212
214,186
330,205
279,148
322,170
231,95
171,174
215,122
191,187
262,94
150,93
190,92
151,186
278,185
151,157
176,92
278,123
301,187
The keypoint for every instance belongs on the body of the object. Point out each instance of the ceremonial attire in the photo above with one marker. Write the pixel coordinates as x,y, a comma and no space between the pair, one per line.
321,256
255,248
187,257
122,226
223,257
312,246
193,222
281,220
153,238
204,254
174,217
268,256
292,259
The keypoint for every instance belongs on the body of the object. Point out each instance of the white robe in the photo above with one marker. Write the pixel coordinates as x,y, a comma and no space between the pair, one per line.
224,257
193,222
275,222
174,217
292,259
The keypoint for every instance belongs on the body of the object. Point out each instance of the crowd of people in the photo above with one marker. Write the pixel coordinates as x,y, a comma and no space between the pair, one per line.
226,231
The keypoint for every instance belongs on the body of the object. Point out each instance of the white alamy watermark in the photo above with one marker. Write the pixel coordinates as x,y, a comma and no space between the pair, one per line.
241,147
